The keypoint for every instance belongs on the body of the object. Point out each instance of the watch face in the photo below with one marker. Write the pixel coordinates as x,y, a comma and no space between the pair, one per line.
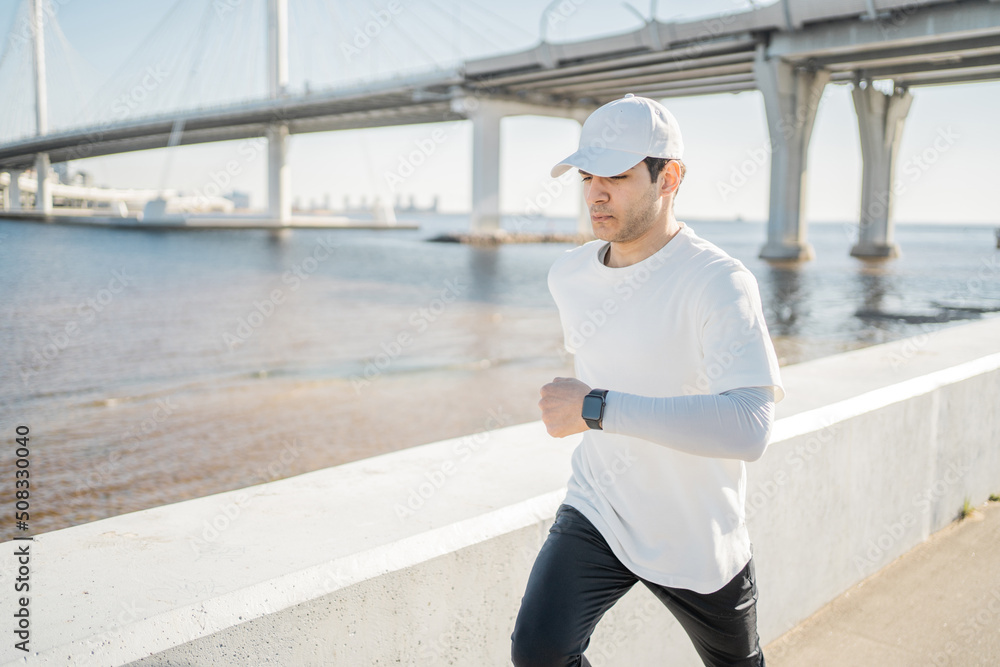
592,407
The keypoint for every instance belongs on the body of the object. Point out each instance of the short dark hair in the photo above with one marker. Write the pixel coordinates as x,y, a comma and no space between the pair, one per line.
656,165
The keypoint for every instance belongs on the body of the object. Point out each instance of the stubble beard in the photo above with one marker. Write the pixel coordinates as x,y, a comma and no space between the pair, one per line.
637,219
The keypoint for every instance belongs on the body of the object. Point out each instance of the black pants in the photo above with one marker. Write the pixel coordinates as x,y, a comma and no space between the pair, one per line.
577,578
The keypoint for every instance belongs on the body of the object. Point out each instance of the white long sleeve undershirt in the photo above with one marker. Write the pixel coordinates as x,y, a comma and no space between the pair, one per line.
735,424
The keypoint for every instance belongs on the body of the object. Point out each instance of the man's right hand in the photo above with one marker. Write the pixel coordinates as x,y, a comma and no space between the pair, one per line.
562,405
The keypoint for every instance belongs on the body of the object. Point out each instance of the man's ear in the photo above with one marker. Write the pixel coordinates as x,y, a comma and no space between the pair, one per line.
671,177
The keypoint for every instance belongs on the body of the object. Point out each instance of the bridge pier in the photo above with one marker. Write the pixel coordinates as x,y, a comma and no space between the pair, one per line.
791,97
584,227
279,202
486,116
13,200
880,124
43,195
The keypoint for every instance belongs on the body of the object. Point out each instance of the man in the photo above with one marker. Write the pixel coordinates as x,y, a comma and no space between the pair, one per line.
677,380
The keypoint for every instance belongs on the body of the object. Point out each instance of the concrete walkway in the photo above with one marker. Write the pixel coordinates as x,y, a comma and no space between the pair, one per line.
939,604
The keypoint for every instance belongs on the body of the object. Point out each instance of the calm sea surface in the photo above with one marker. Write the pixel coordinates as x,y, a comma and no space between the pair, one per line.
155,366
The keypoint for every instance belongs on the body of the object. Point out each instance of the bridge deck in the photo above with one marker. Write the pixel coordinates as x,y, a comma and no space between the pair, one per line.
924,43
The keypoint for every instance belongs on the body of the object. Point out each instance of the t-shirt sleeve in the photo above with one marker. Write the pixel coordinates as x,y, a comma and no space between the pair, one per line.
736,346
734,425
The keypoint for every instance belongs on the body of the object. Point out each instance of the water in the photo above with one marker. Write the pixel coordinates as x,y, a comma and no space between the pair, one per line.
155,366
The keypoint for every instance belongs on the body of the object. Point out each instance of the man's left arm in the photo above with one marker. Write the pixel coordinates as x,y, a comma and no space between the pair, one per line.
735,424
730,417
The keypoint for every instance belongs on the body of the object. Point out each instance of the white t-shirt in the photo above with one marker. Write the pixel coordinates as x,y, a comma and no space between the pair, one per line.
685,321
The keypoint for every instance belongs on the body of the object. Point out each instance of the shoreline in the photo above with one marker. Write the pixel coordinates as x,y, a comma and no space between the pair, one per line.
199,224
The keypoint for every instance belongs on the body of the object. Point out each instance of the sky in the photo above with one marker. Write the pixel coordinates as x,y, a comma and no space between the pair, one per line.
212,51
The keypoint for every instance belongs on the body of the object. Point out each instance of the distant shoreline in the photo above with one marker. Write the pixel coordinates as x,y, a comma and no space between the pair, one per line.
197,224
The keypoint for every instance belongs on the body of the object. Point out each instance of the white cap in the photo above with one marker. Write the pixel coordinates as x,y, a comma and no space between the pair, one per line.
623,133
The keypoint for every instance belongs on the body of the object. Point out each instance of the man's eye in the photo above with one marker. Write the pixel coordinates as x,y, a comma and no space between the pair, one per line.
585,178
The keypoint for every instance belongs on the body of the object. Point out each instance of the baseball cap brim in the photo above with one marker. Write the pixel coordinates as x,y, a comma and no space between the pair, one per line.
604,162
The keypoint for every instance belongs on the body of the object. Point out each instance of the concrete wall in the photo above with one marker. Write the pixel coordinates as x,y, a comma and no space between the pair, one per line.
420,557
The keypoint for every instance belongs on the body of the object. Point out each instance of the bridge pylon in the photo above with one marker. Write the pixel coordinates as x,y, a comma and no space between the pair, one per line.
43,196
279,180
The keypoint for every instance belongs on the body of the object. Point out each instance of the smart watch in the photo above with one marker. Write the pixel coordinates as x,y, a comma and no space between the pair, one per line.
593,408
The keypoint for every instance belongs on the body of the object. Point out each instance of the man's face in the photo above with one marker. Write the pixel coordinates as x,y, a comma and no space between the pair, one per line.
623,207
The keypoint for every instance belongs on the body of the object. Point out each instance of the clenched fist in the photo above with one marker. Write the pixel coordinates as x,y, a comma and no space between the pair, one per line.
561,404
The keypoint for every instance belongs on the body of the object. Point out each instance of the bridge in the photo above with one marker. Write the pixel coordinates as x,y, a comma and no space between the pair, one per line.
789,51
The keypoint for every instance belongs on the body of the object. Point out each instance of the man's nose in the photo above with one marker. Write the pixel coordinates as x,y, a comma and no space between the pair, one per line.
594,191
